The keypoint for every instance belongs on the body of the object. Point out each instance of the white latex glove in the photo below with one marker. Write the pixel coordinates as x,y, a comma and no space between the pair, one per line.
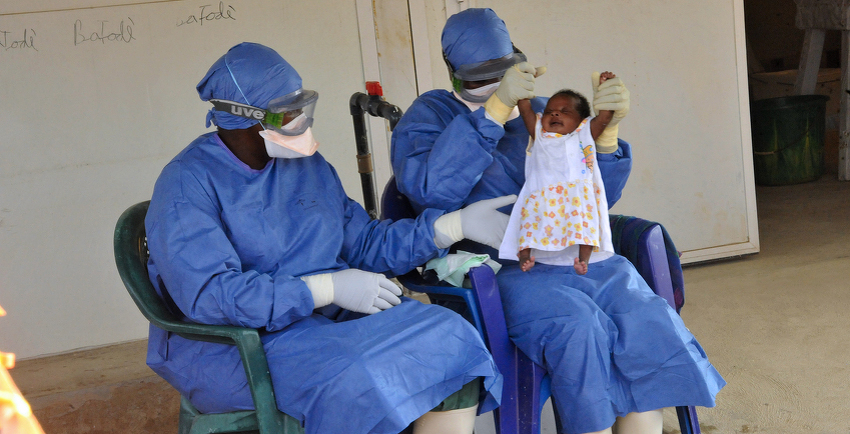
517,84
353,289
610,95
480,222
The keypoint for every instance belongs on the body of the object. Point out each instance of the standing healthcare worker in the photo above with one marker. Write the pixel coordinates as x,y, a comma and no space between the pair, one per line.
616,352
249,226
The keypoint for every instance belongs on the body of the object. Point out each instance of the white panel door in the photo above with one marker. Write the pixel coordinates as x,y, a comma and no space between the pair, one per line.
689,126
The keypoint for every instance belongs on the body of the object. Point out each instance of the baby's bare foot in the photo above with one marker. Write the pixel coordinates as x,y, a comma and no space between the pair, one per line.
580,266
526,261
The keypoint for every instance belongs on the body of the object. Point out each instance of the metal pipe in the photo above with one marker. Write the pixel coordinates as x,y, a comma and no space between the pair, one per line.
373,104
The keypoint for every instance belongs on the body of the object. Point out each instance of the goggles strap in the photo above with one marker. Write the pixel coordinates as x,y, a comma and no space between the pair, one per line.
239,109
248,111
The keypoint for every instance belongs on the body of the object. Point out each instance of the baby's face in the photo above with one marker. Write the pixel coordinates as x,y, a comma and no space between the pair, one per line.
560,115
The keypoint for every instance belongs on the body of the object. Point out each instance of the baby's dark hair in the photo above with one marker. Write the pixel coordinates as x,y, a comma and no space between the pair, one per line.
582,106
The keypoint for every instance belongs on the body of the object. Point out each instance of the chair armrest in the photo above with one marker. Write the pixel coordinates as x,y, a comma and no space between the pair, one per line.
155,311
654,266
415,282
485,307
486,296
646,245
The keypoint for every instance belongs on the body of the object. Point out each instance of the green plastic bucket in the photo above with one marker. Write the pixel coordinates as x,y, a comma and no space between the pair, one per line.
788,137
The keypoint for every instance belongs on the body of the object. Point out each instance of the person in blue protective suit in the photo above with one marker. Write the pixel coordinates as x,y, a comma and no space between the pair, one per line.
250,226
616,353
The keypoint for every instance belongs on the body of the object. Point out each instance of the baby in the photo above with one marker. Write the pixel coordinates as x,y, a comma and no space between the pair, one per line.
562,203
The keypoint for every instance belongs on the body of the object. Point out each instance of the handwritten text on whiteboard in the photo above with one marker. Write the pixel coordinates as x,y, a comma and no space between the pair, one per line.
210,14
108,32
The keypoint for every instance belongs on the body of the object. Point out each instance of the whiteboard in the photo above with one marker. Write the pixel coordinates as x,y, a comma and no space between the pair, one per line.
95,99
689,125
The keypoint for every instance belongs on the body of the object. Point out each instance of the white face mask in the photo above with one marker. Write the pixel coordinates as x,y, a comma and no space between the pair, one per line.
477,105
479,94
280,146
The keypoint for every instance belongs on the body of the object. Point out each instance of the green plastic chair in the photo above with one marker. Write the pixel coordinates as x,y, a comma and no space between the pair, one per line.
131,257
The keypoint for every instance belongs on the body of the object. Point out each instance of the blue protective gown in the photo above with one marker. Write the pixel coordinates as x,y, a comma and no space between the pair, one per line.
229,243
610,345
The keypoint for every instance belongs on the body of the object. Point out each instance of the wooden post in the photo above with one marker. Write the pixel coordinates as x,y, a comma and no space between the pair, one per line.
807,75
844,123
815,17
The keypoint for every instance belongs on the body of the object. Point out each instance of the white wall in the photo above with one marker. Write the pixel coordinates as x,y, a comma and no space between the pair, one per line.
86,128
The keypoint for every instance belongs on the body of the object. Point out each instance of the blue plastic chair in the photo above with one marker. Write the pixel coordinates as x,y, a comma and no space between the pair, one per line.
526,385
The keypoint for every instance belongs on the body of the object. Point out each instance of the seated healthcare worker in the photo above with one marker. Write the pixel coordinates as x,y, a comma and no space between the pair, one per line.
248,226
615,351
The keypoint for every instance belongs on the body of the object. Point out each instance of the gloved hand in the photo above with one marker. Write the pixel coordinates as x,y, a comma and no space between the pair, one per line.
353,289
517,84
480,222
610,95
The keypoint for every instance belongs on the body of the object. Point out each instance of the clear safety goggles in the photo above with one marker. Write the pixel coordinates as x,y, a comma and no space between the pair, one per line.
488,69
289,115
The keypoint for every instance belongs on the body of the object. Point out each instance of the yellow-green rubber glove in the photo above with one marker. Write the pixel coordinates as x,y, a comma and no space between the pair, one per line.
517,84
610,95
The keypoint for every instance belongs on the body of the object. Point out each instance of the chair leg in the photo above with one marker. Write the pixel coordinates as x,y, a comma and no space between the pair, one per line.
186,417
688,422
558,427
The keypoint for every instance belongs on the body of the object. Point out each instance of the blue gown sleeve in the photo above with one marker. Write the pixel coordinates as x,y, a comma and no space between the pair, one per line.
439,155
615,168
193,263
442,155
383,246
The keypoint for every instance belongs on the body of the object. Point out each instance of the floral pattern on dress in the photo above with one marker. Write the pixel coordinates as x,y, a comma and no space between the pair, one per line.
560,215
562,202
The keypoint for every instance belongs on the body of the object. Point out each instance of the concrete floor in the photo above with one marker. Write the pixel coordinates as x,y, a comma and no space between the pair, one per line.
99,391
774,324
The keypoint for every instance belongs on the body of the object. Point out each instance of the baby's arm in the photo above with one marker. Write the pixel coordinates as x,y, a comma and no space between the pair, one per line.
598,124
528,115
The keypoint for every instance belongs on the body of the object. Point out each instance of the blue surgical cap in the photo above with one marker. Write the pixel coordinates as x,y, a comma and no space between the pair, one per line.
475,35
248,73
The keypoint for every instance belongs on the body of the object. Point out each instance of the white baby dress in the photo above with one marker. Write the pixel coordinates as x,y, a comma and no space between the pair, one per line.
562,203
